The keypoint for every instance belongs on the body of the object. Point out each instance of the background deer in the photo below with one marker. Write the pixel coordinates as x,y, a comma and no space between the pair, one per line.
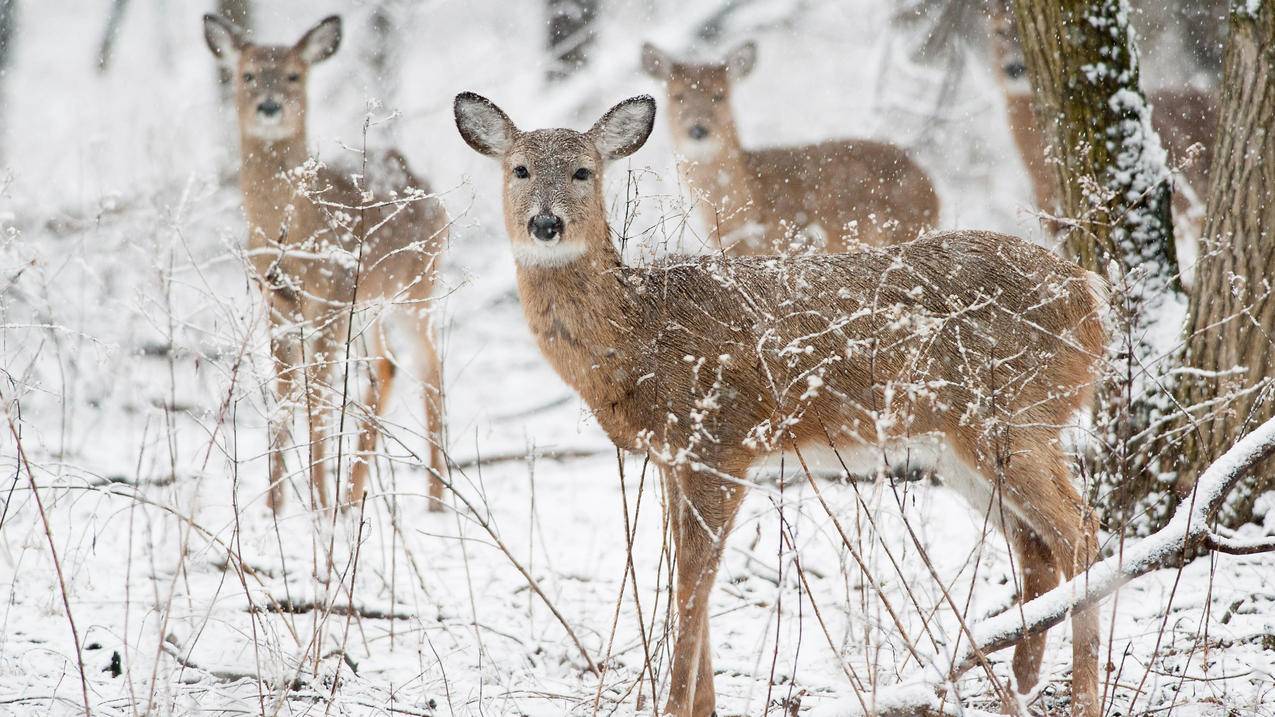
839,189
1183,117
963,351
316,247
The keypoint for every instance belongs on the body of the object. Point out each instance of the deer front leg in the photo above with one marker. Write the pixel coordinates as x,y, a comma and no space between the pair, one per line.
378,391
432,379
703,509
284,352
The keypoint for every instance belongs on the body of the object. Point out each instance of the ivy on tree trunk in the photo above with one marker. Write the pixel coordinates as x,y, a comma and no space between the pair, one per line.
1229,385
1115,198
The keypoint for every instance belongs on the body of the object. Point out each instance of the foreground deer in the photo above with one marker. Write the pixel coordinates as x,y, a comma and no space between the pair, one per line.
842,190
964,351
1182,116
316,248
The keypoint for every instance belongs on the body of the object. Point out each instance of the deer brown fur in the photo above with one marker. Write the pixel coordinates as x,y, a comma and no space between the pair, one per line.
317,248
964,351
752,199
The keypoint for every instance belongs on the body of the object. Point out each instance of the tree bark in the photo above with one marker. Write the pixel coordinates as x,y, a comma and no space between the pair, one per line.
1114,193
1232,312
571,35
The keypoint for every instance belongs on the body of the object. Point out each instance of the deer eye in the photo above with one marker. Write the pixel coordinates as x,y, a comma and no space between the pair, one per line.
247,77
582,174
718,97
293,77
521,172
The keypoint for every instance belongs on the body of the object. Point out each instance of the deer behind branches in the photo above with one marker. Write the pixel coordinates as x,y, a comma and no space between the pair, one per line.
1184,117
320,246
967,352
752,199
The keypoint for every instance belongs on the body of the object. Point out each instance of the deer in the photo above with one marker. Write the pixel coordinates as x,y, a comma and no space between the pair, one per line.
318,246
966,351
1184,117
836,191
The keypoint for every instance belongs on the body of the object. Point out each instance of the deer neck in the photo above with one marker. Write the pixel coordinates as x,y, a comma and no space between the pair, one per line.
723,188
263,178
586,321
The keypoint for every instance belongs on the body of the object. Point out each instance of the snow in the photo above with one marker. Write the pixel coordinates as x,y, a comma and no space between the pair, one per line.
133,365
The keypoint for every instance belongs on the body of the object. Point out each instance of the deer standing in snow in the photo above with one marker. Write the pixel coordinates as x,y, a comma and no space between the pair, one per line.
842,190
1182,116
318,246
967,352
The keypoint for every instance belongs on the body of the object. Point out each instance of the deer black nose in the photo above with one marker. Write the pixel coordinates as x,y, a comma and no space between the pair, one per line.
545,227
269,108
698,131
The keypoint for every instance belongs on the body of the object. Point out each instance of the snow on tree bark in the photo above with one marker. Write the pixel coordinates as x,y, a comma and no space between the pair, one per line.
1115,196
1229,382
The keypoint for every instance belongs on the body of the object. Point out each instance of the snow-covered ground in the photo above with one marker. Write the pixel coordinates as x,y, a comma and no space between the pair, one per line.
133,362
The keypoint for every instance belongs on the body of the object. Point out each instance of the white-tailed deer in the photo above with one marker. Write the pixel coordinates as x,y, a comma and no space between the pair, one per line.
318,246
1182,116
964,351
751,199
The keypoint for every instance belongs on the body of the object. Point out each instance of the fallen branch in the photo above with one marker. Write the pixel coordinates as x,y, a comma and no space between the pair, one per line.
1186,532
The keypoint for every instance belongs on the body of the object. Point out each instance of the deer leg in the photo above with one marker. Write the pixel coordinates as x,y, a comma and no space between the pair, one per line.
283,356
1062,521
702,514
378,391
432,379
318,365
1039,574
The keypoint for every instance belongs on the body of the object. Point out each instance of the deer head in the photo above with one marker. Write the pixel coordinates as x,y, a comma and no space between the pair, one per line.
699,97
553,200
270,80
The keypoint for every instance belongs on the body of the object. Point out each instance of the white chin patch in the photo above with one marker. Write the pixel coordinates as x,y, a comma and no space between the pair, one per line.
698,150
544,254
269,131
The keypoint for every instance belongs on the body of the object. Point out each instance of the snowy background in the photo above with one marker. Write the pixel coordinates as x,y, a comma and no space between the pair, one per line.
133,370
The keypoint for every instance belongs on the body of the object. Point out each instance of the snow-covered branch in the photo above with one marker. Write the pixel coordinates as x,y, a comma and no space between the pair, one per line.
1188,529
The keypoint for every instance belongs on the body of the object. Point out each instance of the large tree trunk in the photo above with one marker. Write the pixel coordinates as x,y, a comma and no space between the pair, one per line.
1232,312
1114,192
571,34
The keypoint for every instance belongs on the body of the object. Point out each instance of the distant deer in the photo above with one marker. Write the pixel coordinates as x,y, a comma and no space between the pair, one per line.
842,190
1182,116
316,247
963,351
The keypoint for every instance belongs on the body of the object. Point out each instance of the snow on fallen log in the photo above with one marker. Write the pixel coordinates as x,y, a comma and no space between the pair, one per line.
1189,528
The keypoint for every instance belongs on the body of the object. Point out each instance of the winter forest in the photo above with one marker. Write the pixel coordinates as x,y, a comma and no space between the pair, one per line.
637,357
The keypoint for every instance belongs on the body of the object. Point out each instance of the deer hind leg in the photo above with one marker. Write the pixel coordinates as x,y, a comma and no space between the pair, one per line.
703,510
1049,503
1039,573
377,396
432,380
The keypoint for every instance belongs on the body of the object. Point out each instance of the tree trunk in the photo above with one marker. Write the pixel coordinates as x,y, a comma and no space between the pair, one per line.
571,35
1115,197
1232,313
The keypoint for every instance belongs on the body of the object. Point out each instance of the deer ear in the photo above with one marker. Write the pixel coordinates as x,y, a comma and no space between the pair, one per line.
321,41
624,128
740,61
483,125
655,62
224,38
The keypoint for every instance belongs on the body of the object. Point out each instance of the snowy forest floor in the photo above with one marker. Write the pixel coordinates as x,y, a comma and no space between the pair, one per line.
136,378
